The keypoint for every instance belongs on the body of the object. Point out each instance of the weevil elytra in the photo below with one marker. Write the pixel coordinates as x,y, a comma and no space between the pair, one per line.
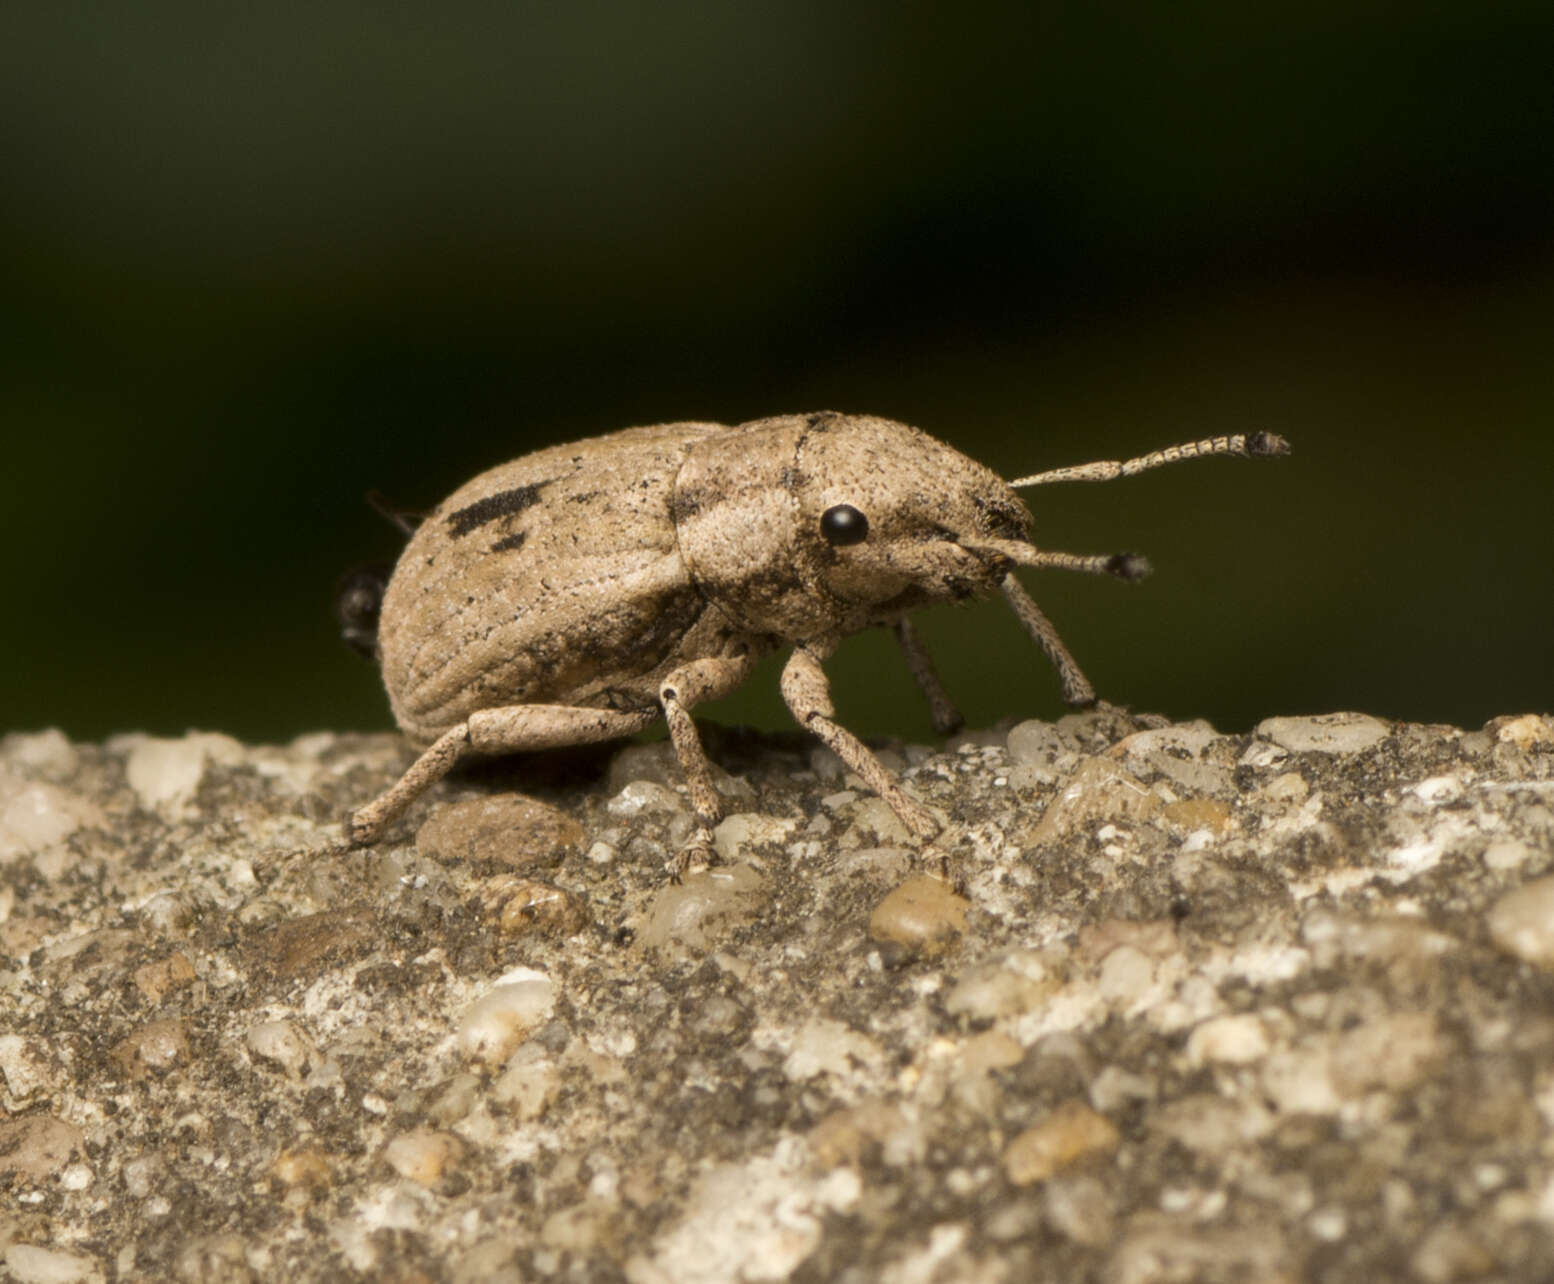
582,592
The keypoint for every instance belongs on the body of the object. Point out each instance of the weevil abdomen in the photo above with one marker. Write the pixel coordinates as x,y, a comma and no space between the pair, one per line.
555,578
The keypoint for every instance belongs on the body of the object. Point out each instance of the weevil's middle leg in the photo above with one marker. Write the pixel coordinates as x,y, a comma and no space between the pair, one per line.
808,695
1076,687
682,690
511,729
946,717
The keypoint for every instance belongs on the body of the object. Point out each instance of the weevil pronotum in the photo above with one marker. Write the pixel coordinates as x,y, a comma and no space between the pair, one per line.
580,593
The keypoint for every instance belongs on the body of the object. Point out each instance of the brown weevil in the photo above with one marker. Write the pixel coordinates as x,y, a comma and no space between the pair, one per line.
582,592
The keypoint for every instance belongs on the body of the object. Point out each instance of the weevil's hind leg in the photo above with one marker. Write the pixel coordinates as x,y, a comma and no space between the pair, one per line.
1076,687
946,717
808,695
681,691
511,729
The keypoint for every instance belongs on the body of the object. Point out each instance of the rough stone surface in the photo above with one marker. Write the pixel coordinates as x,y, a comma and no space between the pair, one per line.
1275,1006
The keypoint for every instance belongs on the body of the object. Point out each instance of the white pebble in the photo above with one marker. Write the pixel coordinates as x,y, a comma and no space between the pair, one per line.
165,773
42,753
1522,923
1324,733
1235,1040
280,1042
35,816
29,1264
496,1024
643,795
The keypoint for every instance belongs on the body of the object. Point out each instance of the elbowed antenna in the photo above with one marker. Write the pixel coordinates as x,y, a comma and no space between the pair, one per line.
1125,566
1251,445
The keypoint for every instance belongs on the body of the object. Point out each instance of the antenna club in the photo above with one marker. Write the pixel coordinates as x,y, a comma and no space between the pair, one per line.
1261,444
1129,566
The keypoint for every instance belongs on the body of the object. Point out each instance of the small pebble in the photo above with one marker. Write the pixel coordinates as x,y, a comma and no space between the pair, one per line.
424,1156
26,1067
643,796
1525,732
157,980
1097,793
35,816
506,830
527,905
1324,733
493,1027
528,1085
1071,1132
282,1043
750,829
703,907
923,913
1233,1040
1522,922
36,1147
305,1167
155,1048
165,773
29,1264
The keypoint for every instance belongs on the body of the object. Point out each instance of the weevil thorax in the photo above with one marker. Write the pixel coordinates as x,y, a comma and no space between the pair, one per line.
806,526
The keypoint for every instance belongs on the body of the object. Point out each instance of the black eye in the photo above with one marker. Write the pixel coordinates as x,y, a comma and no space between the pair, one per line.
843,524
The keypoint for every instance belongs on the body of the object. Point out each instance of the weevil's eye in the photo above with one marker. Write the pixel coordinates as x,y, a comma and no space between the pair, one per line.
843,524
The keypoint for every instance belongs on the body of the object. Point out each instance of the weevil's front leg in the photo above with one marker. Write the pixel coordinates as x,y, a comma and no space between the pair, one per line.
808,695
941,709
1076,687
681,691
512,729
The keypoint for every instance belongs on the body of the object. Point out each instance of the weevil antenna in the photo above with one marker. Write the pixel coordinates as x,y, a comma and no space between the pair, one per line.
1125,566
1257,445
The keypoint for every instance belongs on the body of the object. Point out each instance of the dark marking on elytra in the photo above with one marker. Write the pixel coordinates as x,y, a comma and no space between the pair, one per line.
505,503
510,542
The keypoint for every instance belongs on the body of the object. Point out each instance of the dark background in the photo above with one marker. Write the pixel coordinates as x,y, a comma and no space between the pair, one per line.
260,259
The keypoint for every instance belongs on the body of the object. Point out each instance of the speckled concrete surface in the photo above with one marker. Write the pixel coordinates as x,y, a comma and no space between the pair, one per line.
1264,1007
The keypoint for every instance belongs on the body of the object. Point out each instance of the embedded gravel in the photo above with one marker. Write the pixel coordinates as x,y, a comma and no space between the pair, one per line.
1265,1007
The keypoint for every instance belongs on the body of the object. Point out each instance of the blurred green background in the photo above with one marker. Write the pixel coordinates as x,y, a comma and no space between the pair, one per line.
260,259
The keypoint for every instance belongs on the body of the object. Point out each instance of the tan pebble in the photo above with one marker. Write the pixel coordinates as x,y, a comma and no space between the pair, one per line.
991,1050
705,906
1198,813
743,830
527,905
306,1166
1071,1132
36,1147
1394,1052
1525,732
157,980
1522,922
506,829
1098,791
155,1048
494,1025
842,1137
923,913
424,1156
1127,975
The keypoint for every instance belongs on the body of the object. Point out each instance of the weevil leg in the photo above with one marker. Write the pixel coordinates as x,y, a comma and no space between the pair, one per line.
679,693
946,717
511,729
808,695
1076,687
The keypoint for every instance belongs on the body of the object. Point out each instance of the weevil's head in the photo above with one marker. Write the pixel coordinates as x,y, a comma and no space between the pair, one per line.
890,519
805,526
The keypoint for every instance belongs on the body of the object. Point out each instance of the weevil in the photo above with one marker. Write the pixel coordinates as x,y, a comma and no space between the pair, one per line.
582,592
